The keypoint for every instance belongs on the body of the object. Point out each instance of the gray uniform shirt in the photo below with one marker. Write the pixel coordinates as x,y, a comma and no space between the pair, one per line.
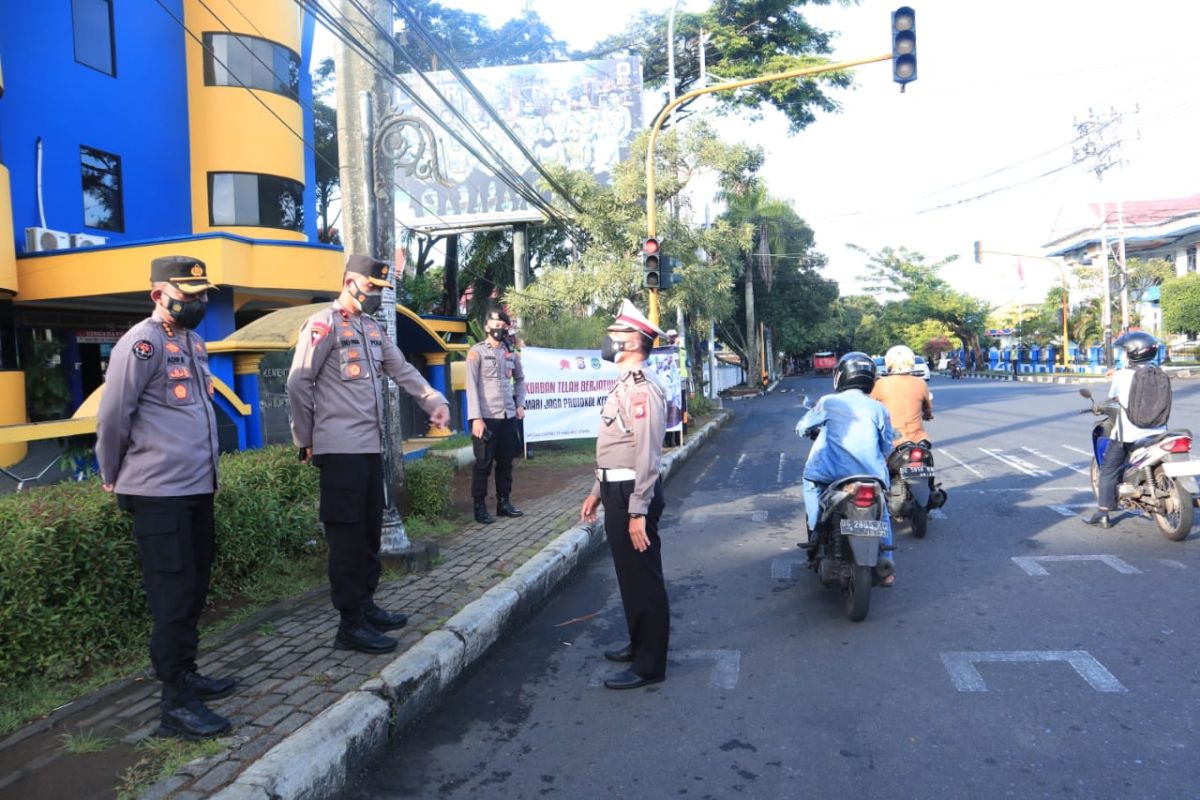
156,434
494,377
335,388
632,424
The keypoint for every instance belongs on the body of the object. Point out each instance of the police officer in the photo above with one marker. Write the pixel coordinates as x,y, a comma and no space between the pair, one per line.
628,452
495,401
335,391
156,444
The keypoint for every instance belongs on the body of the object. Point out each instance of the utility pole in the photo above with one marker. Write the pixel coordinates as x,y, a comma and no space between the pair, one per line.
363,101
520,246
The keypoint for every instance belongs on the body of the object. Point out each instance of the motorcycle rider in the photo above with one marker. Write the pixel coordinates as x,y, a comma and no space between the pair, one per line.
904,395
1140,349
855,437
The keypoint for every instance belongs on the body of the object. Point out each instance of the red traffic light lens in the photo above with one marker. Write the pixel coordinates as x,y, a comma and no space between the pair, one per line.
650,247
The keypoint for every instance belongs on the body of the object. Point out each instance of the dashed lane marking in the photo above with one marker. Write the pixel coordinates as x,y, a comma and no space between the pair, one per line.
966,677
1064,510
960,462
1078,450
781,568
1033,564
1172,563
741,460
1015,462
779,472
1054,460
726,665
759,516
937,513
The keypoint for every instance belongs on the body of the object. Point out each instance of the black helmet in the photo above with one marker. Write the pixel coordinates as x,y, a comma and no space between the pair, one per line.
1139,346
854,371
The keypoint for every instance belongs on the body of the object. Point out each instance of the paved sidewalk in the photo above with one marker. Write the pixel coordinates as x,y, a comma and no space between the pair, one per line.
290,674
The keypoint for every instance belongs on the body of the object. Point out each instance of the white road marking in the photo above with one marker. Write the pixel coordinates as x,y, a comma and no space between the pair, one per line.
779,472
736,467
1033,567
759,516
781,568
966,677
1077,450
960,462
1064,510
704,472
1014,461
1172,563
1076,489
937,513
1054,460
726,665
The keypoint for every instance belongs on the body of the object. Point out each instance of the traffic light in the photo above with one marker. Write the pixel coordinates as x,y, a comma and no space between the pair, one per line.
904,45
651,270
978,252
668,277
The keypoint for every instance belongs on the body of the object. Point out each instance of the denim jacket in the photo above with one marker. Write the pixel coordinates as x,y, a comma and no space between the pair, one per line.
855,439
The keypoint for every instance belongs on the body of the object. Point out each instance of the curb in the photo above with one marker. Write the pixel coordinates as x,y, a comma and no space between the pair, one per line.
1073,379
316,761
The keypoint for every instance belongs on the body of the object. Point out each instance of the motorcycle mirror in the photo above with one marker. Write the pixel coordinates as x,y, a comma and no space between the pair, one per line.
1086,393
805,402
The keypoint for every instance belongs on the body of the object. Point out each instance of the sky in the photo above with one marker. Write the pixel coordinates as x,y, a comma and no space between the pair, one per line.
963,154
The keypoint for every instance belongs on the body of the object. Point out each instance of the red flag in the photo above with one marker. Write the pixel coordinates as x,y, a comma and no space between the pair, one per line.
1020,272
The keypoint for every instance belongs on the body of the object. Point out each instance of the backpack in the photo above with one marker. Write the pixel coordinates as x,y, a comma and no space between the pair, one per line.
1149,397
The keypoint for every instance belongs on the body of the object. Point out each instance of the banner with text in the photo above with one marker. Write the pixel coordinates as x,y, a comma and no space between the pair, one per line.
565,390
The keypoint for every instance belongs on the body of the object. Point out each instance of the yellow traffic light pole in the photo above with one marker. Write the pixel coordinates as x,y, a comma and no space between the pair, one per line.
651,211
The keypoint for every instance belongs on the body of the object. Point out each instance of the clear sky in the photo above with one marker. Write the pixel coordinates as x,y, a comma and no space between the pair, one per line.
1000,87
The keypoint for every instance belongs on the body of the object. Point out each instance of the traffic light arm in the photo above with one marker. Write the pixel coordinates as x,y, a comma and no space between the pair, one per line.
651,211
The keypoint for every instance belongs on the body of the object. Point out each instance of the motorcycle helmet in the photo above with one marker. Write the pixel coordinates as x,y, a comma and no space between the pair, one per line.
1139,346
899,360
854,371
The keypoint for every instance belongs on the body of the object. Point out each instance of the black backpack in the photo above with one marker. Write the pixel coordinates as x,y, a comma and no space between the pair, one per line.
1149,397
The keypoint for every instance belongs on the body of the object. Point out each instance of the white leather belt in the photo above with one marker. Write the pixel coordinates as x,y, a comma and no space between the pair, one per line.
614,475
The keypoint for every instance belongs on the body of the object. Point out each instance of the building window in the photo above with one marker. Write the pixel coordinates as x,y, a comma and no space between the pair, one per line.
94,41
102,205
1191,259
263,201
238,60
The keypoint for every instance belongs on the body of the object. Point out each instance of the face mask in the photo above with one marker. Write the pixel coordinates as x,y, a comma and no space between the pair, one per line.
497,333
610,347
367,303
186,313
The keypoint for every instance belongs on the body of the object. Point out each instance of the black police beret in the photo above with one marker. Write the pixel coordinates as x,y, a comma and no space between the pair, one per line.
188,274
496,313
377,272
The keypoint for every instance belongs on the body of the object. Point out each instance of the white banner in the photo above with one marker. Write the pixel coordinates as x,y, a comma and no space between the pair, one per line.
565,391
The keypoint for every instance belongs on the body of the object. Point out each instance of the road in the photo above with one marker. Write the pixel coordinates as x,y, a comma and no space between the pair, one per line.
994,668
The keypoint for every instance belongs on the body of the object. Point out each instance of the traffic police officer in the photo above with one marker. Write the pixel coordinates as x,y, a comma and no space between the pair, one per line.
156,444
628,452
335,391
495,401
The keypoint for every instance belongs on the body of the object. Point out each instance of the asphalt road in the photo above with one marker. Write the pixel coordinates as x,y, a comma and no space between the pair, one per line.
972,678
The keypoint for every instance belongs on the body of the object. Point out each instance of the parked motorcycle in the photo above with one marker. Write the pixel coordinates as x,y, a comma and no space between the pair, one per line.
913,492
1159,475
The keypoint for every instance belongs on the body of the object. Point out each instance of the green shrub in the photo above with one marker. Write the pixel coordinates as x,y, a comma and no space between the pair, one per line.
699,405
70,586
428,481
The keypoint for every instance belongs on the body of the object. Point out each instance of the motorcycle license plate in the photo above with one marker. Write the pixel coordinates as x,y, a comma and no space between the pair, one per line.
863,527
916,472
1177,468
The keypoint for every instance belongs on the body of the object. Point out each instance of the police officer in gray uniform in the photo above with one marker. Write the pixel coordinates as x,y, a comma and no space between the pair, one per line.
495,401
335,390
628,452
156,443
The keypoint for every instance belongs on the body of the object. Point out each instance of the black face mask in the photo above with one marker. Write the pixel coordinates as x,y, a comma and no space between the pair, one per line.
610,347
497,334
367,303
186,313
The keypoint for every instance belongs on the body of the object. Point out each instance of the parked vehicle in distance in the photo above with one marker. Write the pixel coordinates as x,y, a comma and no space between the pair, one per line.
824,362
920,368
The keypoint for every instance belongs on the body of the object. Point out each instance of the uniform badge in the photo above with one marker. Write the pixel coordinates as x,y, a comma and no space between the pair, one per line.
181,391
143,350
639,408
319,330
178,373
472,356
354,370
172,347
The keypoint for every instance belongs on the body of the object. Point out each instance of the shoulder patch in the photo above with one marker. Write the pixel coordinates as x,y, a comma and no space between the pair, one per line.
472,355
319,331
143,349
638,376
639,407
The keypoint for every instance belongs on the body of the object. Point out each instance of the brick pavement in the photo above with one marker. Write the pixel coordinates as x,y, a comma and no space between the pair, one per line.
284,658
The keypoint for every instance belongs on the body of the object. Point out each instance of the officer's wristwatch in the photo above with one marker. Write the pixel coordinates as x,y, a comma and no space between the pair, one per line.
636,516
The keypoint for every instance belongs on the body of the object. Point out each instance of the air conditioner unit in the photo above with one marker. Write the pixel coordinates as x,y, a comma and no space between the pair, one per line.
41,240
87,240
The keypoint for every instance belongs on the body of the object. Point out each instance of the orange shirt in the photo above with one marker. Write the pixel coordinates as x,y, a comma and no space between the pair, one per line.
907,399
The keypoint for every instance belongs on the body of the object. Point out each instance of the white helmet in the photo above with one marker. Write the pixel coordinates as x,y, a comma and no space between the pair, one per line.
899,359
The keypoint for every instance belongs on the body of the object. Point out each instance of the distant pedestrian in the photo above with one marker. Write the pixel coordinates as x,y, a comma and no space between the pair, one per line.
335,390
156,443
628,452
495,402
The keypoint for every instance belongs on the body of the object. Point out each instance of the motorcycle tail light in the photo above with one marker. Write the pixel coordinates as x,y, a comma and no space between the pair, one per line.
1181,445
916,456
864,495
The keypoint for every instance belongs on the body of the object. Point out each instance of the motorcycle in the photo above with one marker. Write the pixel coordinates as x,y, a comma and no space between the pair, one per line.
1159,474
844,551
955,370
913,492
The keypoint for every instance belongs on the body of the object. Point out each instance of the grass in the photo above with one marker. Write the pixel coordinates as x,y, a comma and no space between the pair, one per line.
162,758
422,528
86,742
454,442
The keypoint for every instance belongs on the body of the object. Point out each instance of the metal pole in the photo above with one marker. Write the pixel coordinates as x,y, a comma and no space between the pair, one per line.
520,257
712,360
1121,264
1106,312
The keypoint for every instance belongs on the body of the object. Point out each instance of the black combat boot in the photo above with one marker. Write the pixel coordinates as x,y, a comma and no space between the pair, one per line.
481,513
183,715
207,688
355,633
383,620
504,508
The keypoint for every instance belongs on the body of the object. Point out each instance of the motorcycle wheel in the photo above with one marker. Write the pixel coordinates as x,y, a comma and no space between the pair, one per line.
920,521
1176,524
858,593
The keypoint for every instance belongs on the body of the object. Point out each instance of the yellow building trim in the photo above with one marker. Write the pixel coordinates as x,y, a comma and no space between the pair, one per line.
435,359
8,250
458,376
447,325
11,435
242,299
235,401
233,129
231,345
247,363
12,411
231,262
